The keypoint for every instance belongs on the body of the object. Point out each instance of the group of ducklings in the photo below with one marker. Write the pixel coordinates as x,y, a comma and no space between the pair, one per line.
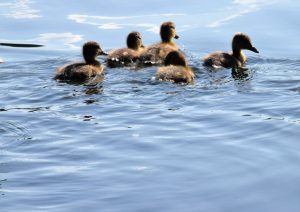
166,53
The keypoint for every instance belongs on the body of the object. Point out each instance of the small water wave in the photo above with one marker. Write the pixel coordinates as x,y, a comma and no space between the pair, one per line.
128,129
13,132
277,61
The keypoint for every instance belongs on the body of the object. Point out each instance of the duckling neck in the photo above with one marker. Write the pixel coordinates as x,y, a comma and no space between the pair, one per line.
92,61
134,47
238,54
166,40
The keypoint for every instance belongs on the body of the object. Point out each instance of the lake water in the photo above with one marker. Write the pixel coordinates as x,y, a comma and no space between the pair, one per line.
131,143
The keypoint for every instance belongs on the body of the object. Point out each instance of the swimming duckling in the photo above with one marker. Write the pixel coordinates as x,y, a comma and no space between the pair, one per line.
175,69
81,72
127,55
236,59
156,53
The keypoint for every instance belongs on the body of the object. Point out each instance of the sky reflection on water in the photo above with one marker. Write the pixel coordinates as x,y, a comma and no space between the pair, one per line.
135,144
209,25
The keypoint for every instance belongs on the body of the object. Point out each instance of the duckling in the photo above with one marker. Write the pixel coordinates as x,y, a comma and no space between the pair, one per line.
175,69
82,72
156,53
236,59
127,55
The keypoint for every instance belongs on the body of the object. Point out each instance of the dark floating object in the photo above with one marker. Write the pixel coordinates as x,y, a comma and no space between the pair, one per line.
24,45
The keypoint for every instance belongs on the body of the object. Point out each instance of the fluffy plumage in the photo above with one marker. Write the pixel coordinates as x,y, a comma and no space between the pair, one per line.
125,56
175,69
82,72
156,53
235,59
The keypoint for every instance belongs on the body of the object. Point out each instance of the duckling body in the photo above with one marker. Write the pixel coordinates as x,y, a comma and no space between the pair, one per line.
82,72
156,53
235,59
175,69
79,72
127,55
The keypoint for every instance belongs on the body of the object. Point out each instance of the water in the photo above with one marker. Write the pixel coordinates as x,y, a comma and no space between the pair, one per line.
131,143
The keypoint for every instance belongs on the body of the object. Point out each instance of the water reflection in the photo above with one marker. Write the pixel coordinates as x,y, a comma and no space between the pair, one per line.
238,8
239,73
296,89
96,145
59,34
20,9
2,193
88,118
93,90
119,22
30,110
13,131
90,101
59,40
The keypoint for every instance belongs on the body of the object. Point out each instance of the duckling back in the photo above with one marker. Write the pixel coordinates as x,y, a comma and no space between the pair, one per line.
175,69
221,59
156,53
84,71
126,56
79,72
177,74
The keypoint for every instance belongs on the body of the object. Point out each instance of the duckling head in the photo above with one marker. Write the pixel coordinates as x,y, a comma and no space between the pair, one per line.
91,50
134,40
175,58
167,31
242,41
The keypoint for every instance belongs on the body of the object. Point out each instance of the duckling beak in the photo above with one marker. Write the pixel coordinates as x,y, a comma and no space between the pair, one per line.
176,37
102,53
142,46
254,49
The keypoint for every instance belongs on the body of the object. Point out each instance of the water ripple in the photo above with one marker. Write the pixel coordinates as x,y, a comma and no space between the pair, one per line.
131,138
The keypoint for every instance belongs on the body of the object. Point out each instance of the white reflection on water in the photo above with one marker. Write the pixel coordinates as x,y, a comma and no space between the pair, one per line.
239,8
20,9
68,39
58,41
111,22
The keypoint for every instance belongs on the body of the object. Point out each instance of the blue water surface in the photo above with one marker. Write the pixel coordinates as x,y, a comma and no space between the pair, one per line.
131,143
